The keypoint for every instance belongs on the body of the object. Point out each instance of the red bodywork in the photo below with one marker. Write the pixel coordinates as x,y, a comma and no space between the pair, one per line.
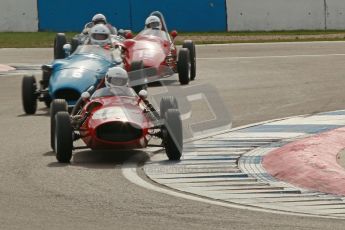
115,122
155,48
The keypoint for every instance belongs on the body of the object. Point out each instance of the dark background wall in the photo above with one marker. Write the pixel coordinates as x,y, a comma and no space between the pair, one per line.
182,15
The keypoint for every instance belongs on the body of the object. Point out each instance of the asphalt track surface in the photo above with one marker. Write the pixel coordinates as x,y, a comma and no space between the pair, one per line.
257,82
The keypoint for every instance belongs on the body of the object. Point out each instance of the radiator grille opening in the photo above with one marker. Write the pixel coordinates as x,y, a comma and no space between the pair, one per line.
67,94
118,132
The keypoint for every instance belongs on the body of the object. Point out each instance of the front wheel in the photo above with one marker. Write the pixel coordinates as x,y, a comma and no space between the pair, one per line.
63,137
58,105
172,135
183,66
74,44
29,98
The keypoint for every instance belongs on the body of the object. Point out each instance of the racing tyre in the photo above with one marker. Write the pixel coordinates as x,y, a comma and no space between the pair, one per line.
183,66
173,137
192,57
63,137
74,44
59,42
138,66
167,102
58,105
29,97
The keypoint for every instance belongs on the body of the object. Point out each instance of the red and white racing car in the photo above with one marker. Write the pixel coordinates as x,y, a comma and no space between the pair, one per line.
156,49
116,118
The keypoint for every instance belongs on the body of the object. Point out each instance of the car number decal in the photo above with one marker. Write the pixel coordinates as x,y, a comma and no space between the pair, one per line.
106,113
77,74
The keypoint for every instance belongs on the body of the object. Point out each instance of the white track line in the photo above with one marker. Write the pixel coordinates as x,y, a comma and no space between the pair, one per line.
129,171
237,190
277,56
271,43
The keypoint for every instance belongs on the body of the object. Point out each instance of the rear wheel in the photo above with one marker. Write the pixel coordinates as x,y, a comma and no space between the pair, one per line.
59,42
167,102
189,44
29,98
138,67
183,66
173,137
74,44
63,137
58,105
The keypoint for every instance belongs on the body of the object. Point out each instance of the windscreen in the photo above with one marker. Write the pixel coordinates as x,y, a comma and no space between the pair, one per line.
148,75
121,91
110,55
154,32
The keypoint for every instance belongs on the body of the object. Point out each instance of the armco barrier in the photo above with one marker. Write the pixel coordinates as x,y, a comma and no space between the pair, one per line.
190,15
18,15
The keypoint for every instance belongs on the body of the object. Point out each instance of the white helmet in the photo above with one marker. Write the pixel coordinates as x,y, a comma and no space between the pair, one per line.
116,76
99,18
100,35
153,22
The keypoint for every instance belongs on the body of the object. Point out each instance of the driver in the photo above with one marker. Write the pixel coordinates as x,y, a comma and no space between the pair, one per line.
100,35
99,19
116,82
116,76
153,22
153,27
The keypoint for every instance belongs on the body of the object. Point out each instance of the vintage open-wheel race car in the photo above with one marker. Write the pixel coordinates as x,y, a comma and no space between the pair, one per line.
156,48
116,118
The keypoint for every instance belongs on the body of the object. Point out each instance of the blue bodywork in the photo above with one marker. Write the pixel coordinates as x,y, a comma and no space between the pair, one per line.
84,68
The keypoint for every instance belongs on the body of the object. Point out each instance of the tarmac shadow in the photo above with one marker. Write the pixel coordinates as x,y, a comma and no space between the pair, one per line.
43,112
103,159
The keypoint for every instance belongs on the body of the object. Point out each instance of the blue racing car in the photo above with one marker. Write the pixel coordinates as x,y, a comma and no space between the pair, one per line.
68,78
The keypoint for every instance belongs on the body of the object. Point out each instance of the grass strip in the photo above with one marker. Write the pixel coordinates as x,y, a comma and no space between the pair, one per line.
46,39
